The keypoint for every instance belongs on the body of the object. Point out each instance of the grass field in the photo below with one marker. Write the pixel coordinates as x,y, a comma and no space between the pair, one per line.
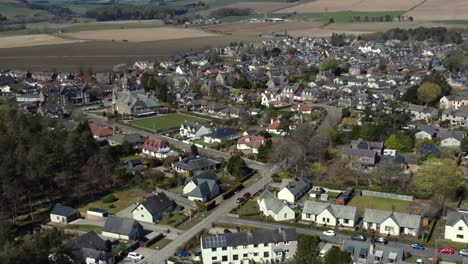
176,219
452,22
85,228
165,122
125,199
160,244
363,202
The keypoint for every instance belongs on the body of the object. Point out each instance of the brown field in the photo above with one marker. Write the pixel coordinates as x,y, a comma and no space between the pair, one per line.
379,27
319,6
141,34
33,40
262,27
441,10
261,7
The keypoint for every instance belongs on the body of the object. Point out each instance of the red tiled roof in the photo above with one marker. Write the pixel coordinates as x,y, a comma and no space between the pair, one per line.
274,125
251,141
154,144
101,131
301,108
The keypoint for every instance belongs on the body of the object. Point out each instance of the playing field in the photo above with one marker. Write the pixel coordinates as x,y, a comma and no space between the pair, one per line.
165,122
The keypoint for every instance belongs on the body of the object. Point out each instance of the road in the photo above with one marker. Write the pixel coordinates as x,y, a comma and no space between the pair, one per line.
333,117
338,239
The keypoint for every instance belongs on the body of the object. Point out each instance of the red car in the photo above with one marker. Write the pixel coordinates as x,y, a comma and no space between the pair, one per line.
246,196
446,250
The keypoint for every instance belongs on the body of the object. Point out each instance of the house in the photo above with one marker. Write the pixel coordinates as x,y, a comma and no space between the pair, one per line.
456,226
135,103
260,246
428,149
425,132
391,223
371,253
134,140
294,190
195,164
135,166
221,134
451,139
100,133
153,208
275,128
368,145
203,187
90,248
312,94
453,101
122,228
250,143
304,109
330,214
63,214
271,206
193,130
360,159
458,117
421,112
157,148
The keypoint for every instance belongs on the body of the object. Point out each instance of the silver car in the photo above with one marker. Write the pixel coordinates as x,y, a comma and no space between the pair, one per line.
463,252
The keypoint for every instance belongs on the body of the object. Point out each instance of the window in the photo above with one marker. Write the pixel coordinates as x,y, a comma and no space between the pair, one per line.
308,215
346,221
389,229
234,248
287,251
255,254
255,245
265,245
285,215
224,248
286,242
142,216
224,258
460,228
235,257
460,236
214,258
266,254
276,243
246,246
213,249
245,255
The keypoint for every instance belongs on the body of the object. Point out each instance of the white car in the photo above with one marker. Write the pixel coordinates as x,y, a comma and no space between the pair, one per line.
329,233
135,256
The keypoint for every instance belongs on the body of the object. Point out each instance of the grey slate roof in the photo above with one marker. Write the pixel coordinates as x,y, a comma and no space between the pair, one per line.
193,163
88,245
362,252
130,138
224,133
360,152
427,128
157,203
300,184
63,210
402,219
120,225
249,238
453,217
338,211
271,202
206,183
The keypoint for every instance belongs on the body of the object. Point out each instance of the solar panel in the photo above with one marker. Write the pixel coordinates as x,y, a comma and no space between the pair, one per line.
215,241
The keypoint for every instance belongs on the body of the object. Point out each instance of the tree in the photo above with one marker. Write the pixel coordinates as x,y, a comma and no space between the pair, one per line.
194,149
308,250
441,177
275,52
464,144
236,166
264,150
329,64
400,141
428,92
336,256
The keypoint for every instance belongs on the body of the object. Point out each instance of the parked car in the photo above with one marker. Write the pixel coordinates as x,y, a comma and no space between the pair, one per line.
246,196
419,261
463,252
382,240
447,250
135,256
417,246
184,254
240,200
358,238
329,233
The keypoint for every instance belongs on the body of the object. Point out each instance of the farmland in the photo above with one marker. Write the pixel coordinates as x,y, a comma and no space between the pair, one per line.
33,40
440,10
320,6
165,122
261,7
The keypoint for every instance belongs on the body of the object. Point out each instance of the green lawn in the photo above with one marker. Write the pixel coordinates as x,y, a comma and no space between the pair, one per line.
128,158
173,219
456,22
160,244
249,210
165,122
85,228
363,202
125,199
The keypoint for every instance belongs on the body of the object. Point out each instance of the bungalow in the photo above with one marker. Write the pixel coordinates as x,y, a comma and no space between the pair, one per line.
195,165
294,190
63,214
330,214
134,140
193,130
269,205
391,223
250,143
452,139
122,228
157,148
100,133
90,248
274,128
220,135
153,208
425,132
203,187
456,227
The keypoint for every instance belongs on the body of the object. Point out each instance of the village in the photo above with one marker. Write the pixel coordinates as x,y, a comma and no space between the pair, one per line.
235,154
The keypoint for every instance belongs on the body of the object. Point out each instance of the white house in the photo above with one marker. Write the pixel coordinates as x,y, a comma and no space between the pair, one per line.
330,214
454,101
274,207
260,246
193,130
294,190
63,214
157,148
153,208
274,128
421,112
250,143
203,187
452,139
122,228
456,227
391,223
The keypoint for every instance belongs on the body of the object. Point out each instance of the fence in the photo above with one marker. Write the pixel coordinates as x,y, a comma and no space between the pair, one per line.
388,195
179,199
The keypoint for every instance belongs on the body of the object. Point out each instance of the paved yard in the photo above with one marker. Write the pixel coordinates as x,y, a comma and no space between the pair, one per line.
148,253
